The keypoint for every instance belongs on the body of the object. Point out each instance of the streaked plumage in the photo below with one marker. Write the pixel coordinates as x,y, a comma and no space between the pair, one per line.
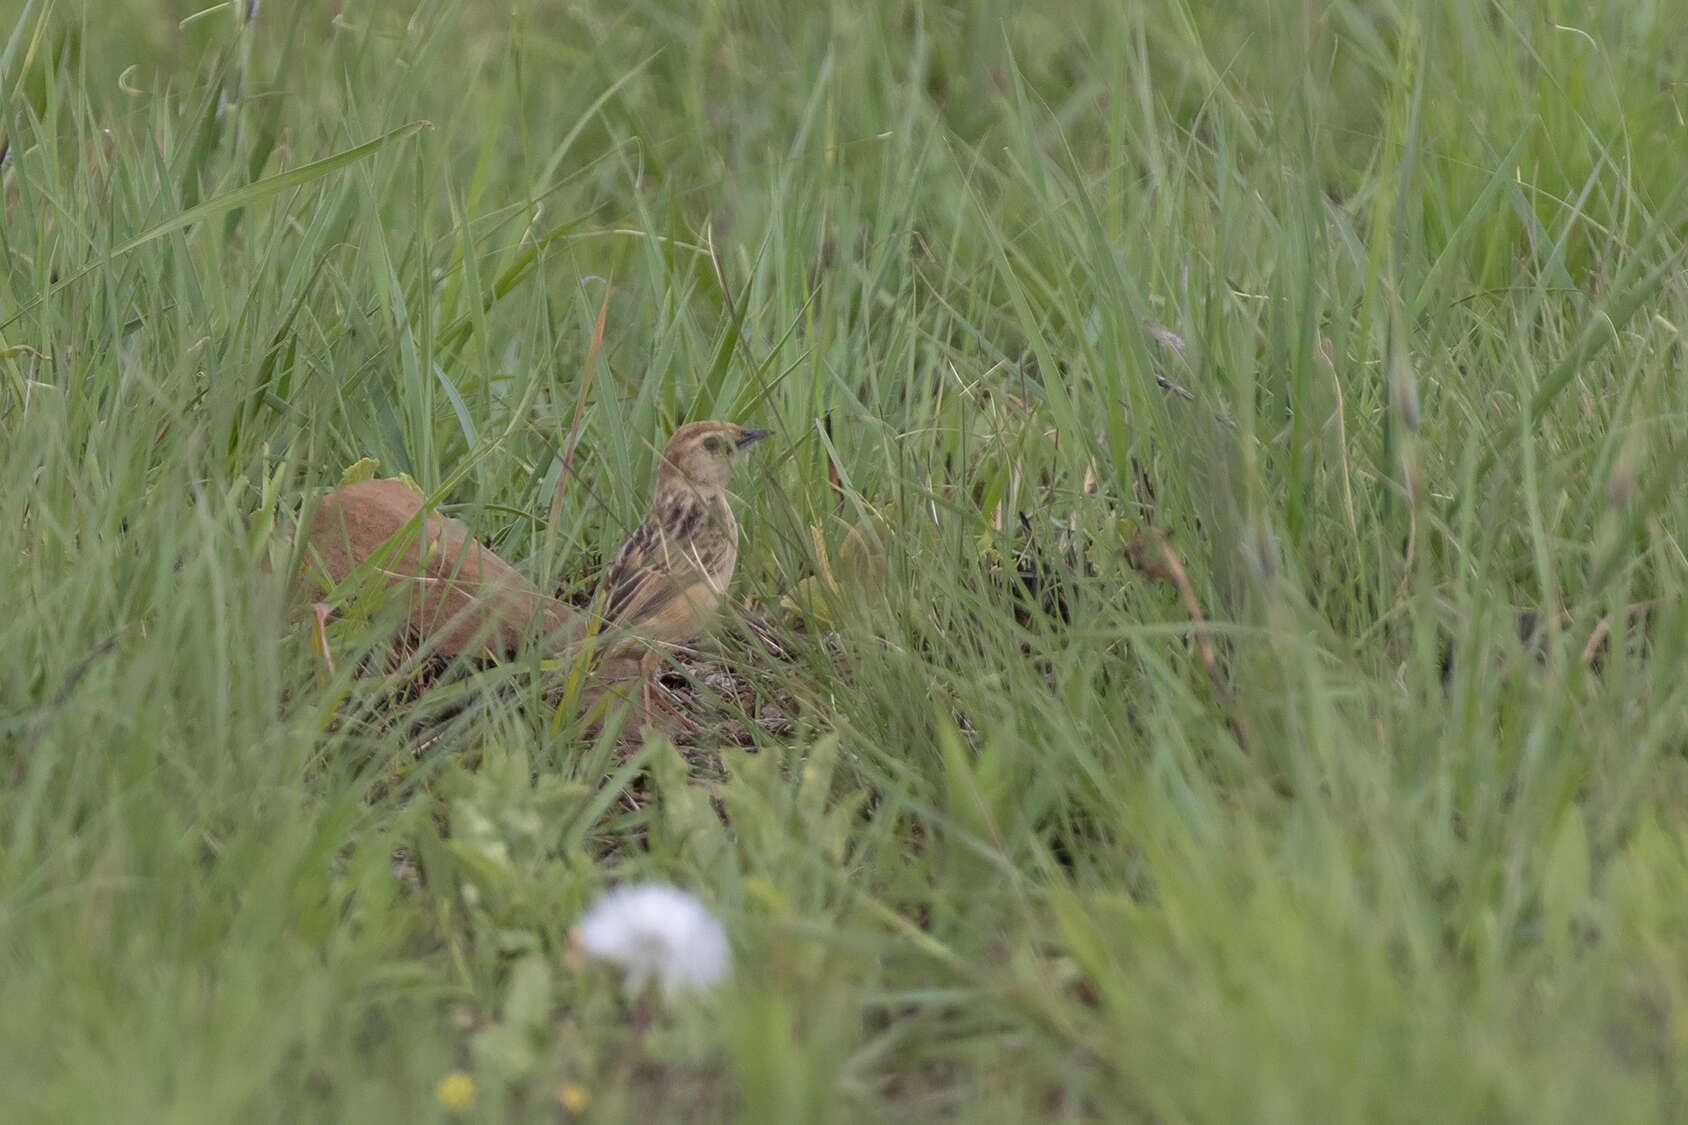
666,583
674,565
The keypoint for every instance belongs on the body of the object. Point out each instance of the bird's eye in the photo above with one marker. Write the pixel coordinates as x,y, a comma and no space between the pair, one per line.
714,445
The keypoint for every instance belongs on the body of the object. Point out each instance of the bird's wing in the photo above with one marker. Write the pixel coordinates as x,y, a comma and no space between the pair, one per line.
628,571
665,587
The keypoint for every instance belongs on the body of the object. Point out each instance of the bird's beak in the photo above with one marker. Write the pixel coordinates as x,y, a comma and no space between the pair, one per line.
746,437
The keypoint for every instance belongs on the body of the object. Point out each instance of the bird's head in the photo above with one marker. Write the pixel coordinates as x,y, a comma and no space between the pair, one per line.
701,454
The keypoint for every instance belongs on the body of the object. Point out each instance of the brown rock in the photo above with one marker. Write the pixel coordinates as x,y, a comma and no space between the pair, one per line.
462,597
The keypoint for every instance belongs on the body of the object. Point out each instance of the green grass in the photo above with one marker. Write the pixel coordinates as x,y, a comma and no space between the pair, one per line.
1425,267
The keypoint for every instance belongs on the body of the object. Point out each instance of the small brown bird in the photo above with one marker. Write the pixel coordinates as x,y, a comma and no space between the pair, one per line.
662,589
667,580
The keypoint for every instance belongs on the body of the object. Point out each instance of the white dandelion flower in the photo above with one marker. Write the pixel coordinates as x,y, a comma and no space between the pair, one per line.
656,932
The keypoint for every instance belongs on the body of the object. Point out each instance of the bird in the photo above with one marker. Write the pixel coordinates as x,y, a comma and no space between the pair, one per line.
664,586
661,591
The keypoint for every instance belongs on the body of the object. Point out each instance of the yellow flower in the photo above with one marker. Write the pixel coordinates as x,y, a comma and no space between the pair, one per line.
573,1097
456,1092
